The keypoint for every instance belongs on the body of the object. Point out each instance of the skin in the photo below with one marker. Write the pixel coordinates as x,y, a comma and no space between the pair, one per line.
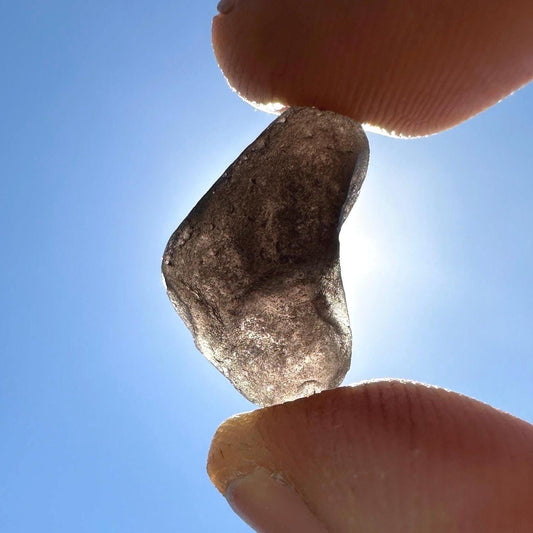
389,456
412,67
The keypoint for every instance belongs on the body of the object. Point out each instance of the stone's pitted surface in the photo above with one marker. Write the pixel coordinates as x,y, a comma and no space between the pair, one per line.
254,268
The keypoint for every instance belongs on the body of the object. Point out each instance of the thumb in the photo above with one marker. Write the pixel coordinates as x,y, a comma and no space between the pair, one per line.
412,67
386,457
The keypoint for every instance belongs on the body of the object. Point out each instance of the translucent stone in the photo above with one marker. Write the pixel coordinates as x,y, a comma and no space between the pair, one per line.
254,270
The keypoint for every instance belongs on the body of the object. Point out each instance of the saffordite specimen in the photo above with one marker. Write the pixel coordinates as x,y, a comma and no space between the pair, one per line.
254,268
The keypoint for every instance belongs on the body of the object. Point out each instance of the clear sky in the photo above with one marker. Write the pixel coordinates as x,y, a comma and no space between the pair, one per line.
115,121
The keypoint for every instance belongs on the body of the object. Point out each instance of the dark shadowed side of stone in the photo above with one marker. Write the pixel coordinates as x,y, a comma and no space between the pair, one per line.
254,268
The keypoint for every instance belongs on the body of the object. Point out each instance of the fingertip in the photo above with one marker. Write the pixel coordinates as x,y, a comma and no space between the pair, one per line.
409,68
388,456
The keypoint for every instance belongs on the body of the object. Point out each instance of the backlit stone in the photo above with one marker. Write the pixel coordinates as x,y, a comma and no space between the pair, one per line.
254,270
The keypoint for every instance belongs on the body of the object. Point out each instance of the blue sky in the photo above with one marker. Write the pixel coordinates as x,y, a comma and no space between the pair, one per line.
115,121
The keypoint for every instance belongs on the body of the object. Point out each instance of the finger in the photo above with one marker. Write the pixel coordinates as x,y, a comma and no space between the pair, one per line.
386,457
412,67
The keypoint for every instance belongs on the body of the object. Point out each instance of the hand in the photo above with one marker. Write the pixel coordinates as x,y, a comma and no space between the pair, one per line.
381,457
390,456
412,67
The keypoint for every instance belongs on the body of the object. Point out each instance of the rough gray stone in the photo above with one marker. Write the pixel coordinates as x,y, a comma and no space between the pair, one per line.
254,268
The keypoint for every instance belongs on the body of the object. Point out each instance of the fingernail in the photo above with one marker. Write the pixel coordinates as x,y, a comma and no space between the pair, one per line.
225,6
270,506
